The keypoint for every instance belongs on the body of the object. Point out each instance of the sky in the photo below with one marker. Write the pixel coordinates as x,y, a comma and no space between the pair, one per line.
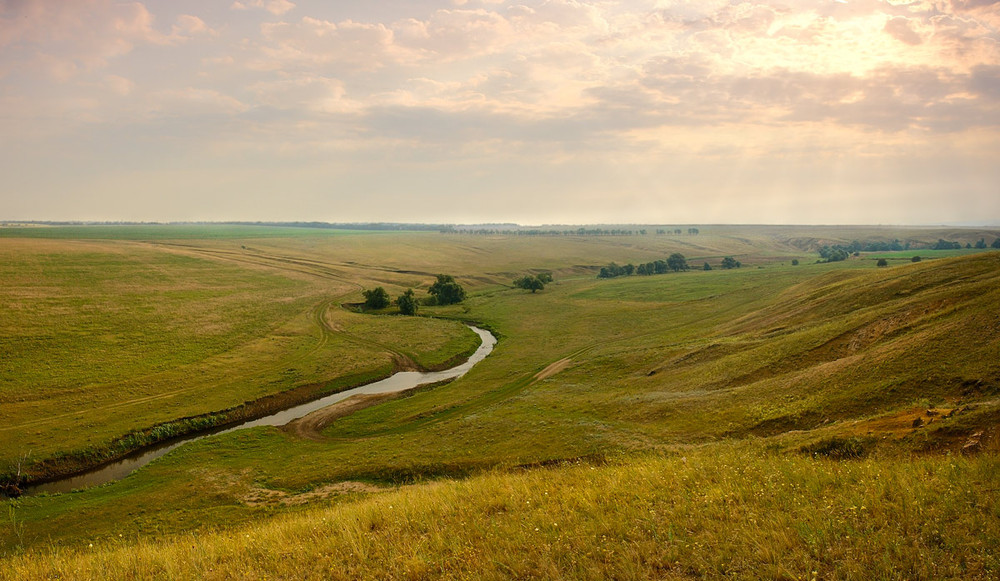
527,111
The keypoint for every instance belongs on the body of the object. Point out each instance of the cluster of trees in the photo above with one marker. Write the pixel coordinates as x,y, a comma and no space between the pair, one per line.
837,252
514,230
674,263
873,246
942,244
533,282
727,263
834,253
444,291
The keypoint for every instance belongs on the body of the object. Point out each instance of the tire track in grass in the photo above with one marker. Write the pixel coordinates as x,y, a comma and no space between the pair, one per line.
234,376
318,317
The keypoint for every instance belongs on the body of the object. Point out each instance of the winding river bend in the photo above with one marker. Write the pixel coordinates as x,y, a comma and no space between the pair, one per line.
398,382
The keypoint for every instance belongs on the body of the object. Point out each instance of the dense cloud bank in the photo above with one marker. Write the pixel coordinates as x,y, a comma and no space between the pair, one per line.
627,106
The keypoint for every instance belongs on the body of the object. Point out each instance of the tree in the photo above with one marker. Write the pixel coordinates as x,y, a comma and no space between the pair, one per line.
545,277
981,243
795,262
882,262
611,271
446,291
677,262
943,244
996,243
730,262
915,259
407,303
376,298
835,254
706,266
528,282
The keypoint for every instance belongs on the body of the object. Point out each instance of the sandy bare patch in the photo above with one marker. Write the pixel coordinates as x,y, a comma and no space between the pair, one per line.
310,427
263,496
553,369
901,423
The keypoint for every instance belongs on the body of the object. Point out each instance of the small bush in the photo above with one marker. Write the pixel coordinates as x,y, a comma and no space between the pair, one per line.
838,448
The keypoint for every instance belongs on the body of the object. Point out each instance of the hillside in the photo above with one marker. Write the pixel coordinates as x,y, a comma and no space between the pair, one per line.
850,384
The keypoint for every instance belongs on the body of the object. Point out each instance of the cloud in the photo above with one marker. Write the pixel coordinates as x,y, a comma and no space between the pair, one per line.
480,85
275,7
119,85
65,39
314,43
305,93
899,28
188,25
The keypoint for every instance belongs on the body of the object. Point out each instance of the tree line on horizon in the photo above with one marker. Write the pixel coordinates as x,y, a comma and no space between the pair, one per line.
568,232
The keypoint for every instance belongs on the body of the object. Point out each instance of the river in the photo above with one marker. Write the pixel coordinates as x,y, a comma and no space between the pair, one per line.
398,382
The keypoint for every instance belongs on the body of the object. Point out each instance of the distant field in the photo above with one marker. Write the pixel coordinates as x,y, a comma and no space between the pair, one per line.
165,232
785,357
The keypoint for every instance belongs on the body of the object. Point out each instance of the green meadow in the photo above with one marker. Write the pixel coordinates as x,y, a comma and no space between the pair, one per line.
818,420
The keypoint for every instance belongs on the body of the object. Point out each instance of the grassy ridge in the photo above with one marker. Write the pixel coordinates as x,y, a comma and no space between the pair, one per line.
723,511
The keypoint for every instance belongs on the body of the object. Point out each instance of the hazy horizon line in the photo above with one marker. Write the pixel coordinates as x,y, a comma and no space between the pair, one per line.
322,224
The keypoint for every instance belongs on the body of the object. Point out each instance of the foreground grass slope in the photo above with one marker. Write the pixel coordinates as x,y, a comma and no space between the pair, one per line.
722,511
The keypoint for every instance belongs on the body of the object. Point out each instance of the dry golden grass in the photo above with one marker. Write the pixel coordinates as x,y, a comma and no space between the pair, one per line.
734,512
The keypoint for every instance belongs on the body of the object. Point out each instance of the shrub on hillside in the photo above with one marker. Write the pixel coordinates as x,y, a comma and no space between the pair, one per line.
839,448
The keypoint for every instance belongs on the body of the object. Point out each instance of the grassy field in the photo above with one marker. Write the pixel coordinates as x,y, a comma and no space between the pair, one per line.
101,339
740,372
723,511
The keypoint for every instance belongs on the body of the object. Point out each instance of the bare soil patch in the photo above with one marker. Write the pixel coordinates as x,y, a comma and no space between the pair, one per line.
311,427
553,369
